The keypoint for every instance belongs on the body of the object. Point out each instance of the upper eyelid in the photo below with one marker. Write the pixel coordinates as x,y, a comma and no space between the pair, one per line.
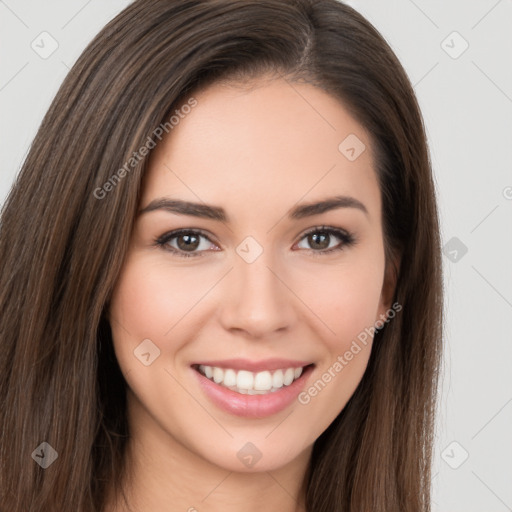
330,229
176,232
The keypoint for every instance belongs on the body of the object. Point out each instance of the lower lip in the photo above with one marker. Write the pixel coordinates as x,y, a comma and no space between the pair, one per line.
253,406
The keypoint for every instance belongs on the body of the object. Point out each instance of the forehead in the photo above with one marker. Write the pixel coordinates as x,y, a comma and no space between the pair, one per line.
274,142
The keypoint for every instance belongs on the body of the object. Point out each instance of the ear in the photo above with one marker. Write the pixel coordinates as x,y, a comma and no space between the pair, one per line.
391,274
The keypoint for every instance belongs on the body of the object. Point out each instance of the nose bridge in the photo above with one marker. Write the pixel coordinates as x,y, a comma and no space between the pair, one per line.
256,300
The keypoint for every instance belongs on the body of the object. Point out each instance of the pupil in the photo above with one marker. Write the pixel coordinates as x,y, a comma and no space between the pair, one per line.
187,242
320,240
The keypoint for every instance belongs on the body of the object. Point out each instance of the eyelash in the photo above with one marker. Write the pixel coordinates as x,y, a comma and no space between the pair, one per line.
347,240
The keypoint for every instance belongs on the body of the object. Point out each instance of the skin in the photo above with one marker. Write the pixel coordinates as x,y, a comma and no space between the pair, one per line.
257,152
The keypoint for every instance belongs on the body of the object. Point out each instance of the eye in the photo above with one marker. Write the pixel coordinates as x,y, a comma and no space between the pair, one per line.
193,243
185,242
325,239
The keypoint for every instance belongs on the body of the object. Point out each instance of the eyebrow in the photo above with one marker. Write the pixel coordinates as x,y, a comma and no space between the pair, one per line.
205,211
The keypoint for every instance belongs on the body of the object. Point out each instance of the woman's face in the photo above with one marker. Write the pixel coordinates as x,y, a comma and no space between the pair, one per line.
259,251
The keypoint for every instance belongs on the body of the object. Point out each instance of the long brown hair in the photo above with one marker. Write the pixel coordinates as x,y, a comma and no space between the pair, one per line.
64,234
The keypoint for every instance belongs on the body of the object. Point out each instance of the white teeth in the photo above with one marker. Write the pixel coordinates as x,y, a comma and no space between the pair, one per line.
278,379
229,378
218,375
246,382
288,376
263,381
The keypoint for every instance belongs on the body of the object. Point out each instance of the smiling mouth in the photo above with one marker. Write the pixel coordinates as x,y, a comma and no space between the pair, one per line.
252,383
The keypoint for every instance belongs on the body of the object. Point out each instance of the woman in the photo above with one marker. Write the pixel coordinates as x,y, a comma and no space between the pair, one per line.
221,275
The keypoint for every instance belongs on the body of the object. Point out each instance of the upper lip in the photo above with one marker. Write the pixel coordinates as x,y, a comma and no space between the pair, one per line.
255,366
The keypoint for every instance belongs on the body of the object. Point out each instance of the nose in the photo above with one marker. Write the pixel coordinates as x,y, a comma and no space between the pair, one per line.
256,299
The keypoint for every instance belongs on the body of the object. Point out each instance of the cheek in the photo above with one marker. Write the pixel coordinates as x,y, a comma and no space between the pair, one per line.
348,306
158,302
151,302
150,298
345,299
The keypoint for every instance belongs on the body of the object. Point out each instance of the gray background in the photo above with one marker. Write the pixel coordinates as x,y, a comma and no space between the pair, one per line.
466,98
